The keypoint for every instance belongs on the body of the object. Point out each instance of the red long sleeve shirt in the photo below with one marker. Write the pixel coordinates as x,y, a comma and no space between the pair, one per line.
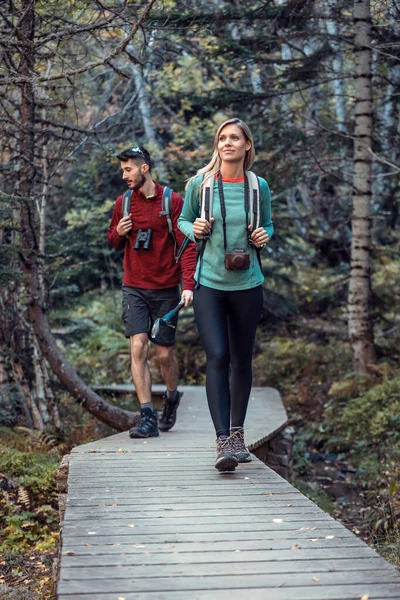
155,268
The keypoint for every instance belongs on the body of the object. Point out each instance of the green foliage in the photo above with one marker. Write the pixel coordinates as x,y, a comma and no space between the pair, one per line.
290,363
361,424
93,338
35,471
28,499
372,419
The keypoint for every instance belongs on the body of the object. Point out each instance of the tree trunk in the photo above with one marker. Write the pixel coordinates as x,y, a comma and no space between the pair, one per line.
360,323
113,416
337,67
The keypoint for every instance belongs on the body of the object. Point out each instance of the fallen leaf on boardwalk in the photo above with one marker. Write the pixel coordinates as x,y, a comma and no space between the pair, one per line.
144,442
121,598
139,546
315,579
92,532
277,520
119,451
366,597
289,504
296,547
88,545
269,494
329,537
131,526
237,550
247,477
70,553
304,528
151,489
116,544
313,539
114,504
101,504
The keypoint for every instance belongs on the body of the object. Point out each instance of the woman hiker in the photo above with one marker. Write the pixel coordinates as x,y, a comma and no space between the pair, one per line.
220,214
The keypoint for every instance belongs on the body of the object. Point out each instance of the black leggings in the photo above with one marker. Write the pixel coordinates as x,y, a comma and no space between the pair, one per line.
227,322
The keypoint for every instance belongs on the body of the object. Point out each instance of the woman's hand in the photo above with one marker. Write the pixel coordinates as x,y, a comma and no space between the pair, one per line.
259,237
201,227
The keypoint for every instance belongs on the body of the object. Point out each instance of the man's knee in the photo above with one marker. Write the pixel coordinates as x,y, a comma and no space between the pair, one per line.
139,347
165,355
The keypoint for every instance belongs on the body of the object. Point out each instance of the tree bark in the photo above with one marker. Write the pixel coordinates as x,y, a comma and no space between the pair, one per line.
337,67
150,134
113,416
360,322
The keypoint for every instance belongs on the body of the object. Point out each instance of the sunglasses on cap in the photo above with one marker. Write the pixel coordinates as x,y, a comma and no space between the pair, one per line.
137,150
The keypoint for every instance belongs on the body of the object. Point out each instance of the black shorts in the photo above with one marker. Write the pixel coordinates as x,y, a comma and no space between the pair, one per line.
140,308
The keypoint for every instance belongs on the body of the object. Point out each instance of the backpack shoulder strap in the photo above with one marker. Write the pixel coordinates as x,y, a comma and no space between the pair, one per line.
206,199
126,203
255,206
166,208
166,205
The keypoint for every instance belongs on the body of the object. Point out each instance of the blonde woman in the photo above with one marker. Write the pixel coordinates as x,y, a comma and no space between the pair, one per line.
228,296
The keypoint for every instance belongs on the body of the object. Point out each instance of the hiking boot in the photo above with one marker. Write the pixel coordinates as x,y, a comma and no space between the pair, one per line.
147,426
226,459
168,416
238,446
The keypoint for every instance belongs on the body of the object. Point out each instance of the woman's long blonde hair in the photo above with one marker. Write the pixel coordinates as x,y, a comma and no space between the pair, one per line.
215,163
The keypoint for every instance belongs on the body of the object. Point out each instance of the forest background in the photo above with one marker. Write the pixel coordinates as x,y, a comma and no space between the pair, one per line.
318,82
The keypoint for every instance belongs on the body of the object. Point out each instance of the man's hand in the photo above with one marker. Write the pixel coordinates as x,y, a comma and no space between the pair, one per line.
187,296
201,227
124,226
259,237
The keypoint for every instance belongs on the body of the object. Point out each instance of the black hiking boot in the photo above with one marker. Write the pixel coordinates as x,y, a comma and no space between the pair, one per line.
226,459
238,446
168,416
147,426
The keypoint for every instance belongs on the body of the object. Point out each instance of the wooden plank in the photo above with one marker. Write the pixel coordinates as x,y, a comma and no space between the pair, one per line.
141,537
293,584
201,520
117,514
282,528
349,592
146,557
214,546
195,508
266,581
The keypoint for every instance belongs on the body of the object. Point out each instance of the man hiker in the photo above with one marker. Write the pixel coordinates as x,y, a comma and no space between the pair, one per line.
153,269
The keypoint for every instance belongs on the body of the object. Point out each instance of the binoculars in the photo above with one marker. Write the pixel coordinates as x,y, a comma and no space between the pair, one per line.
143,238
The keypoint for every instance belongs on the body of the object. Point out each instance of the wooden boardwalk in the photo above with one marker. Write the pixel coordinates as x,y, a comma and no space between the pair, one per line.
153,520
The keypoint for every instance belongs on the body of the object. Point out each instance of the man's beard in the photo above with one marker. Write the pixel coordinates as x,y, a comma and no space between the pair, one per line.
141,183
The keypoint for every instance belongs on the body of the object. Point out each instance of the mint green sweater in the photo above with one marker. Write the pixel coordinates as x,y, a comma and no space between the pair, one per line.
213,272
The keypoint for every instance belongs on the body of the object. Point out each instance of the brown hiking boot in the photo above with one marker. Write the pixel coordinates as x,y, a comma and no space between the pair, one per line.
226,459
238,446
